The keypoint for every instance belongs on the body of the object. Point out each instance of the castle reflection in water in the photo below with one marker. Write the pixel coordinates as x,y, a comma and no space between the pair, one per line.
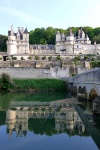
64,114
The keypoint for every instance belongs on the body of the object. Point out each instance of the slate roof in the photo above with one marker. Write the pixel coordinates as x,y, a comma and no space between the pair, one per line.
26,31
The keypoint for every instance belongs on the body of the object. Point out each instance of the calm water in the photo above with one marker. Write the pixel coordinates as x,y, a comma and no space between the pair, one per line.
40,122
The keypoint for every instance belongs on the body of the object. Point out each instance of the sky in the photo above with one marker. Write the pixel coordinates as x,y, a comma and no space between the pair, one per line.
48,13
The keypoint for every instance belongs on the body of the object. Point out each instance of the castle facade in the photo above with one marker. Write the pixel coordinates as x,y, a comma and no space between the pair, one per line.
18,44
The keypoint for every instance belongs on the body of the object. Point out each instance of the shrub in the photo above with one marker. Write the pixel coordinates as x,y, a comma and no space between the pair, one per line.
22,58
36,58
77,58
93,59
44,58
7,58
6,82
50,58
14,58
30,57
58,58
85,57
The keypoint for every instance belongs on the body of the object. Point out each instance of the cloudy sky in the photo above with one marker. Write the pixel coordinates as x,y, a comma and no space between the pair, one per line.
43,13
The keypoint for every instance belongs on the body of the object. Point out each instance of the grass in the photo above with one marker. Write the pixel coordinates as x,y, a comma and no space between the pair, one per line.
38,85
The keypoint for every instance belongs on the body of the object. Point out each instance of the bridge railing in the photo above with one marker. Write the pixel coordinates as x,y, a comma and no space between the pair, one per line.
89,76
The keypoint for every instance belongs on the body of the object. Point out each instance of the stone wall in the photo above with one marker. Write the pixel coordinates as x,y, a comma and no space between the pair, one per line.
25,72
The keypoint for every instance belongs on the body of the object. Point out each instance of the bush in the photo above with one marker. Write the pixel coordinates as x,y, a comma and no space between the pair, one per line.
93,59
30,57
58,58
7,58
85,57
44,58
6,82
77,58
22,58
14,58
50,58
36,58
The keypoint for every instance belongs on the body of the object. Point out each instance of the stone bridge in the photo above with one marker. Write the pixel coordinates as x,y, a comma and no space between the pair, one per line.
89,81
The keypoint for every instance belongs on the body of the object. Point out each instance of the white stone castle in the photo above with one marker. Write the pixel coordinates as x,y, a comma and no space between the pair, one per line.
18,44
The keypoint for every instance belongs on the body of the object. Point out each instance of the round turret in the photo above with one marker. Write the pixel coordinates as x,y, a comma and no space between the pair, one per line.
10,114
11,43
70,37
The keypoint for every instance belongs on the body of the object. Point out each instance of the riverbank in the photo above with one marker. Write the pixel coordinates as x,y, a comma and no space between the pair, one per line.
38,85
30,85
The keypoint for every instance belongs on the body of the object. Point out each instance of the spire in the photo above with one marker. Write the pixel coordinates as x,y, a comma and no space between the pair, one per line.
26,31
70,32
12,32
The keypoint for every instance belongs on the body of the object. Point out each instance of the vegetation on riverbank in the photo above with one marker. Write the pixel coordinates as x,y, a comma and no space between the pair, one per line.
36,85
31,85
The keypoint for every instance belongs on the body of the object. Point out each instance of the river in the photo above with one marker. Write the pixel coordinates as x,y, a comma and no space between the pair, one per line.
46,121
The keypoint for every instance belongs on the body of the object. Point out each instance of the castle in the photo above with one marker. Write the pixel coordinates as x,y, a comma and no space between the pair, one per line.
18,44
66,118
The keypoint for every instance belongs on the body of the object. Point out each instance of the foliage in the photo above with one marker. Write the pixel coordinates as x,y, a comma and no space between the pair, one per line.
3,39
42,126
14,58
95,64
7,58
36,57
50,58
39,85
22,58
2,117
5,99
93,59
44,58
47,36
6,82
77,58
58,57
74,74
30,57
85,57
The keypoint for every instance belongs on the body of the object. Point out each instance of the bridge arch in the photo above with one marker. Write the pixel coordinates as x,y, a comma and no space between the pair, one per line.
92,94
90,79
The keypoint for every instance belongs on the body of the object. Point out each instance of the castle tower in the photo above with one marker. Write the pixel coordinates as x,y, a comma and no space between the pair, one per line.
69,42
11,43
10,121
58,42
70,37
63,37
26,40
